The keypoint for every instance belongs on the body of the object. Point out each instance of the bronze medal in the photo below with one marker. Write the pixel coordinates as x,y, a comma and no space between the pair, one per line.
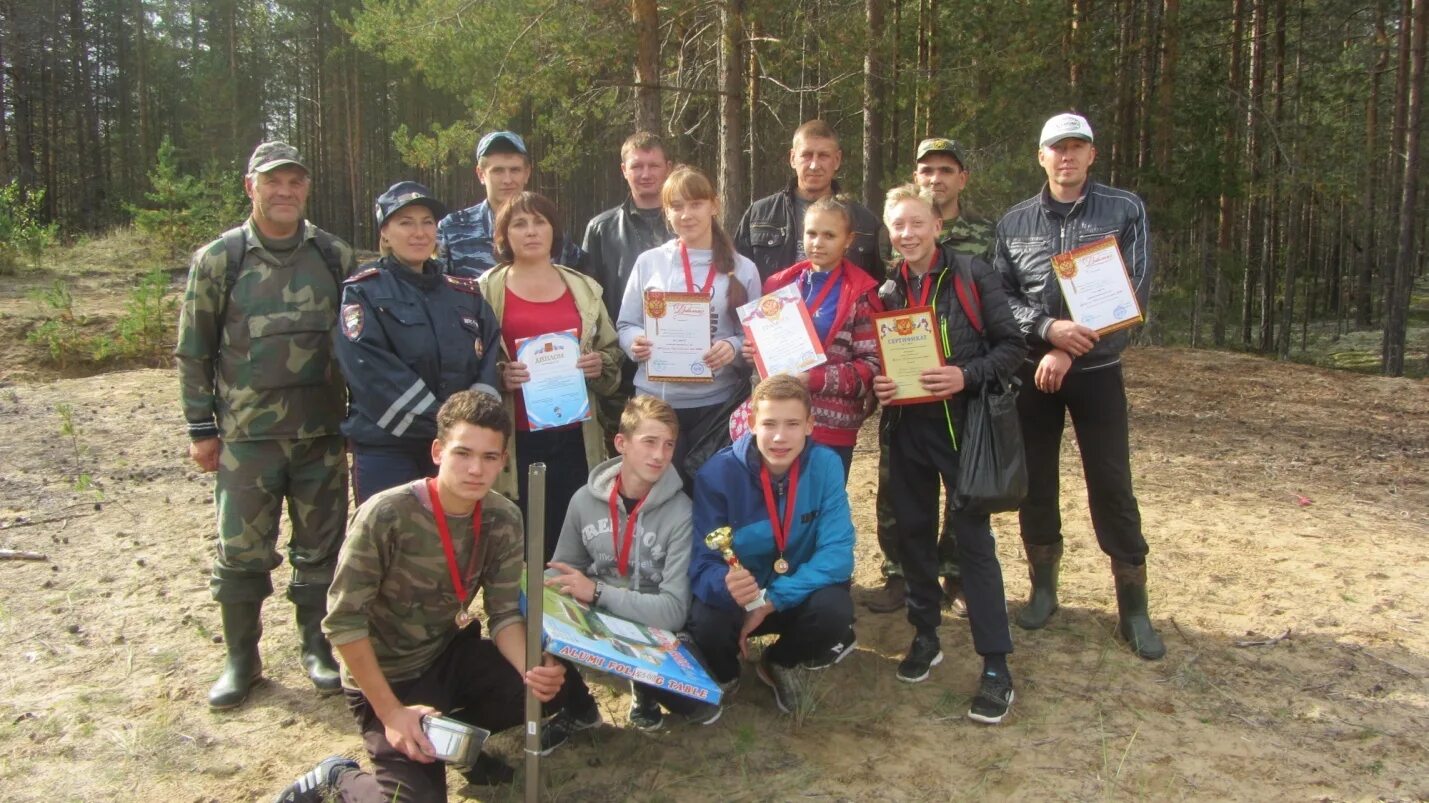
781,566
463,619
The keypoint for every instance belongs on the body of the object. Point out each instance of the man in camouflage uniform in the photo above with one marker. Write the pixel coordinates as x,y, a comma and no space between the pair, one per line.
942,168
264,400
464,237
409,646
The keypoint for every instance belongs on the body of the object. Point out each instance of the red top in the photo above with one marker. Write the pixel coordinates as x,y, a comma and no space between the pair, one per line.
522,319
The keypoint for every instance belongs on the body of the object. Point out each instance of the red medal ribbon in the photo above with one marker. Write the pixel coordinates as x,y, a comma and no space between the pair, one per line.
927,283
622,545
447,538
781,534
689,273
818,301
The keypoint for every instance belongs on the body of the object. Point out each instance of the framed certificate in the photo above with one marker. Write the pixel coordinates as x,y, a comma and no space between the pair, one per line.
783,334
1097,287
556,393
678,325
908,345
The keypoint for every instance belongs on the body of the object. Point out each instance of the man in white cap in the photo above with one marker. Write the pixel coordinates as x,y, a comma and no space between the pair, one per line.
1070,369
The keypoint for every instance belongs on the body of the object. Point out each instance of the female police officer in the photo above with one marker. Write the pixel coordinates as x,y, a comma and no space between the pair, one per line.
409,337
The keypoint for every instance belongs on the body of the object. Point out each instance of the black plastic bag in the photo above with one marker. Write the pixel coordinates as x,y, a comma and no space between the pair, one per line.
992,466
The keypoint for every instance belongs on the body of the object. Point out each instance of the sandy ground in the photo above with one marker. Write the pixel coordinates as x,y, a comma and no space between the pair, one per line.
1278,499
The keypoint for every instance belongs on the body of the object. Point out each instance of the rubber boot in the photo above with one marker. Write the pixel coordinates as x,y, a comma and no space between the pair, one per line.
1044,563
243,668
311,604
1133,622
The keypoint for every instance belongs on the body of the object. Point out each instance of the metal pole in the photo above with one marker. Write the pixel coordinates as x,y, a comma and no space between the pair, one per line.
535,577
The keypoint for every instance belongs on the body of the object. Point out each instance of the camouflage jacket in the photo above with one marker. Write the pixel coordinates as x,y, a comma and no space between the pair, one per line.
266,371
970,234
392,584
465,238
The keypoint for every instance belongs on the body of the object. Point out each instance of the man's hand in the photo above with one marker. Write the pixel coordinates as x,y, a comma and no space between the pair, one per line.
640,348
884,389
546,680
1052,370
719,355
514,375
943,382
589,363
403,728
205,453
572,582
752,620
1071,337
742,585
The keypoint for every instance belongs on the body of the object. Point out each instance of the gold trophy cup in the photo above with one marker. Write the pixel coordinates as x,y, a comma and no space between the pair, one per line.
721,540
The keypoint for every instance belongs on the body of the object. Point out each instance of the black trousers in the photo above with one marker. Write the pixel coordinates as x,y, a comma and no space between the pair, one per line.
693,420
470,681
921,456
806,630
563,452
1097,403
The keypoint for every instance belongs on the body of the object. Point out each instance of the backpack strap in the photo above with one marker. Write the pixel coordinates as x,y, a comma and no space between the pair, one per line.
968,295
235,244
327,246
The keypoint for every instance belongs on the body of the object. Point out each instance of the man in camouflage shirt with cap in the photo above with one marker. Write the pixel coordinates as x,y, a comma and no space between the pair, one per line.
942,169
264,399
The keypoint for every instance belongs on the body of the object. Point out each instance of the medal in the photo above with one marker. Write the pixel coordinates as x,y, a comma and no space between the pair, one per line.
781,533
462,617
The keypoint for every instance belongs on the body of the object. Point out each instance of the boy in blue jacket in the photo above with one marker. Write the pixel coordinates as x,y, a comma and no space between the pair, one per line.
783,498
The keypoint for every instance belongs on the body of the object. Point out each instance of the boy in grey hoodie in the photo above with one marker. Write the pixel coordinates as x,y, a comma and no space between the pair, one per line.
625,548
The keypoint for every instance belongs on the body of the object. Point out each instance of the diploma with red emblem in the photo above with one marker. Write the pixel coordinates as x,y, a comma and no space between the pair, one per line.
556,393
908,345
785,341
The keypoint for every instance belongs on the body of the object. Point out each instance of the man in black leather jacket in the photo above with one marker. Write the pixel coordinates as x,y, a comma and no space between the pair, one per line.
615,237
771,233
1070,369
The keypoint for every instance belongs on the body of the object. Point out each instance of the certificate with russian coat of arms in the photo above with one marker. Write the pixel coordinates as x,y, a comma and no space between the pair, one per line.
556,393
785,341
908,345
1097,287
678,325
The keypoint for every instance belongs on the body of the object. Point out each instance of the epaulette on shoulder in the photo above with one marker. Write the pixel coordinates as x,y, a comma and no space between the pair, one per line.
463,283
361,275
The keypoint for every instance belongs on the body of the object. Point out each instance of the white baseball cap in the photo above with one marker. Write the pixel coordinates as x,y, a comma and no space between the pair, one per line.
1064,126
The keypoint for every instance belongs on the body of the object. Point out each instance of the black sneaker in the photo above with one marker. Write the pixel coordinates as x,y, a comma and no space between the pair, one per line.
994,697
489,771
645,712
785,681
707,714
314,783
836,653
559,728
924,654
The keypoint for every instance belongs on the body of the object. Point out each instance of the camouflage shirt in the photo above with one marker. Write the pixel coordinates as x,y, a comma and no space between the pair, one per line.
970,234
392,584
268,371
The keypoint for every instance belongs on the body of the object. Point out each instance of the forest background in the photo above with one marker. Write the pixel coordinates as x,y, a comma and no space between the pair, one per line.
1276,142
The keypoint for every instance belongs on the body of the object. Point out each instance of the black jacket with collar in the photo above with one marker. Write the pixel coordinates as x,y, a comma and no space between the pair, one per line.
769,235
613,239
998,351
1030,233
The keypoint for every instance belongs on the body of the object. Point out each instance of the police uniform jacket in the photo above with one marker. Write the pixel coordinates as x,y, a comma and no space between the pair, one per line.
407,341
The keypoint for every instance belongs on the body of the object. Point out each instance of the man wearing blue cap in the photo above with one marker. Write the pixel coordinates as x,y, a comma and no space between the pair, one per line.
1071,370
503,166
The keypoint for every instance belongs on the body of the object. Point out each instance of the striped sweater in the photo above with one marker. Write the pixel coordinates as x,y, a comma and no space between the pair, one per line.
842,386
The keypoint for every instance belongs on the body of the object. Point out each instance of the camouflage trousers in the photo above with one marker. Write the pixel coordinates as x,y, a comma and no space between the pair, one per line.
254,479
888,525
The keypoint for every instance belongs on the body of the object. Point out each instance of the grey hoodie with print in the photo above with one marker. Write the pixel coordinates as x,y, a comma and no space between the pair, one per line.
657,591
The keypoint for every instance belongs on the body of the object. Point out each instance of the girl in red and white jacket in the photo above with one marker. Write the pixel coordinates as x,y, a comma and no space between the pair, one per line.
840,297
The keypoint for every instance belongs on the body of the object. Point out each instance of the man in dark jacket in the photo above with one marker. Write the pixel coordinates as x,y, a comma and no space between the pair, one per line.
1071,369
615,237
771,233
981,341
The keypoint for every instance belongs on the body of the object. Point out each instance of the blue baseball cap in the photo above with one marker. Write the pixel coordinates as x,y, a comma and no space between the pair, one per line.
404,194
511,138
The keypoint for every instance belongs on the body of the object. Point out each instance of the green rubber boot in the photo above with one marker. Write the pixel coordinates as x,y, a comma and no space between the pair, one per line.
243,668
1133,623
311,604
1044,563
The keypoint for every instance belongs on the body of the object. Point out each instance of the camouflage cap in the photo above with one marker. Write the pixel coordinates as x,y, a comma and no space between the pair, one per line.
951,147
404,194
503,142
270,155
